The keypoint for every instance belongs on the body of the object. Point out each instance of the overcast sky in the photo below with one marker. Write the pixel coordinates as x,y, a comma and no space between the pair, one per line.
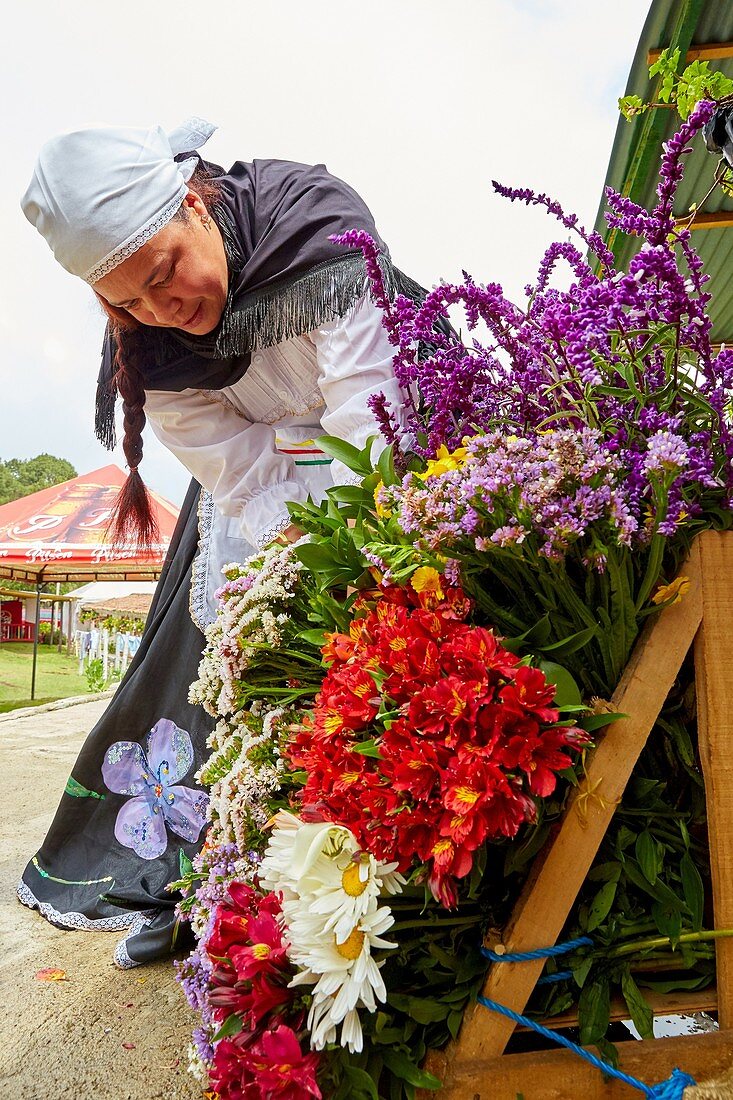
417,103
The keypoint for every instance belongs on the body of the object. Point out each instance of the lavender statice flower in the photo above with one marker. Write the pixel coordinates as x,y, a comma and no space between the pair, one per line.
552,489
193,974
203,1046
666,453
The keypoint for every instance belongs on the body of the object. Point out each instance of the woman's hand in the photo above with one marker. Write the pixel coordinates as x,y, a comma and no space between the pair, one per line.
290,534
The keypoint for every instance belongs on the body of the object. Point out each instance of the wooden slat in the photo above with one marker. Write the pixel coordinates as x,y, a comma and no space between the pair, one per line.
703,51
682,1002
562,1075
714,679
718,219
560,870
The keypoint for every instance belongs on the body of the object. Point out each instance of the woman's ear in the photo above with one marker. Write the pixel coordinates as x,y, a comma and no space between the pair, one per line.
194,203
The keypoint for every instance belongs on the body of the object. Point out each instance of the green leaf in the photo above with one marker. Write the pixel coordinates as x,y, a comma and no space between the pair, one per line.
231,1026
368,748
362,1086
572,643
659,890
581,971
640,1012
600,907
400,1065
534,638
566,689
315,637
386,468
76,790
357,460
591,722
668,920
454,1023
351,494
422,1009
631,105
674,984
693,890
594,1009
315,557
648,856
184,863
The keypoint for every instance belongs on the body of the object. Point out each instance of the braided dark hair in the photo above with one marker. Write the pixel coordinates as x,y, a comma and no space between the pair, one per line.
133,516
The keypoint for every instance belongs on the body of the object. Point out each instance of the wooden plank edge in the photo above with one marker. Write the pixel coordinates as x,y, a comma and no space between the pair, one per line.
681,1003
562,1075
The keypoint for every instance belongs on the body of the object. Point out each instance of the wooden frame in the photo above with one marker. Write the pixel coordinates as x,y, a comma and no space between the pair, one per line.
475,1067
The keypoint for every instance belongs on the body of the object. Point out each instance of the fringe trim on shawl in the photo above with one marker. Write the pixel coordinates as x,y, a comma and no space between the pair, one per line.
286,310
104,414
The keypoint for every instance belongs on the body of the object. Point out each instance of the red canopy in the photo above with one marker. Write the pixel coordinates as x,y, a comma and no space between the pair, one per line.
58,534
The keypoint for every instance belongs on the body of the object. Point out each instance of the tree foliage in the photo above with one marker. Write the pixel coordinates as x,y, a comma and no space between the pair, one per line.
21,476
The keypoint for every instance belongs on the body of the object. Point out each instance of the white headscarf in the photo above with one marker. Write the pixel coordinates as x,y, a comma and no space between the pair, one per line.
97,195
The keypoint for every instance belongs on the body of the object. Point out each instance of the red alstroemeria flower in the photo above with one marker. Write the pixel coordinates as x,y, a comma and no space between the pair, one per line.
232,916
531,691
447,707
448,863
266,951
272,1068
540,756
476,654
338,647
458,735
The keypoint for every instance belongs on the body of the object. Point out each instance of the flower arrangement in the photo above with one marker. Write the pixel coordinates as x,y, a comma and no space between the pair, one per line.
428,738
405,697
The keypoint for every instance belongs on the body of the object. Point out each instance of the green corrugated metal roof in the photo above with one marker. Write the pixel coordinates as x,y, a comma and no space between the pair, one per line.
637,147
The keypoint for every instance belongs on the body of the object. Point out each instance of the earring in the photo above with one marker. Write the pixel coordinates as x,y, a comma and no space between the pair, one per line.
206,222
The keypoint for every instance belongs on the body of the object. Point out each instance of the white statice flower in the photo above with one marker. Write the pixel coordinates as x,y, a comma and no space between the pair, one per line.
240,787
252,615
196,1067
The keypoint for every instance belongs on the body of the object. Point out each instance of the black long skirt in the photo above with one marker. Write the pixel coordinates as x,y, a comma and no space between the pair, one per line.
131,805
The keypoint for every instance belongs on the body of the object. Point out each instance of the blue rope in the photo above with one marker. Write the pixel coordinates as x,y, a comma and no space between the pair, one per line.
671,1089
558,976
540,953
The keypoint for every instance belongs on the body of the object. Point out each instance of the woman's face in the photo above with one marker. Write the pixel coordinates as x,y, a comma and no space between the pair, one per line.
178,279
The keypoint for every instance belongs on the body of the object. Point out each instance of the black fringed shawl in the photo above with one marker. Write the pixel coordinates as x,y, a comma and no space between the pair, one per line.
286,278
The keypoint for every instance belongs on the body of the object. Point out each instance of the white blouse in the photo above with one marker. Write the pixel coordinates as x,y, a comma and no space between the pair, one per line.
251,444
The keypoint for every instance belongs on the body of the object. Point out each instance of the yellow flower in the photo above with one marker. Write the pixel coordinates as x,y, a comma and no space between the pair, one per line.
382,512
672,592
427,579
444,461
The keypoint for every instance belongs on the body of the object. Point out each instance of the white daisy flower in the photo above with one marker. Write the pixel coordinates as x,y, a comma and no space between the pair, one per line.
349,882
323,861
293,849
323,1030
346,971
333,921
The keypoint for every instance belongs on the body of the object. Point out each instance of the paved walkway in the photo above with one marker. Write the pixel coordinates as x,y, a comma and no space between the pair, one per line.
72,1039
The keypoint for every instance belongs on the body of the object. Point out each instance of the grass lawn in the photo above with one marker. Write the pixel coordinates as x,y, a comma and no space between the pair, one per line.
57,675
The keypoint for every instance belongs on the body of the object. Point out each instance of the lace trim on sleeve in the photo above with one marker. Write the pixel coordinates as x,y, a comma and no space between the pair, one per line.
280,523
198,603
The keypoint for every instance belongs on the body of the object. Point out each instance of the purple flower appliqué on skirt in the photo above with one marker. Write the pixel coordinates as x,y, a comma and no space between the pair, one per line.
157,802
